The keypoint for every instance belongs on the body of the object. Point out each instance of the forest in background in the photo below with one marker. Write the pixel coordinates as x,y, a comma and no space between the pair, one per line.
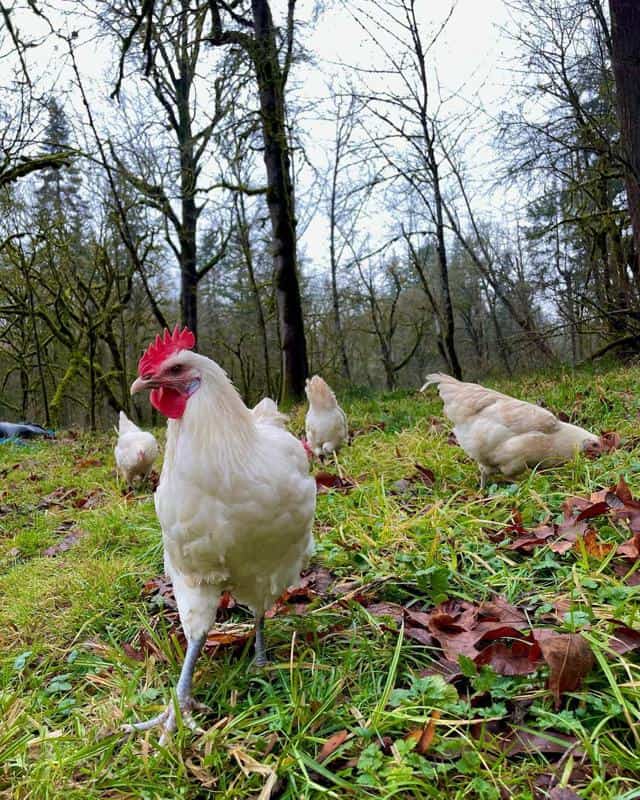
176,186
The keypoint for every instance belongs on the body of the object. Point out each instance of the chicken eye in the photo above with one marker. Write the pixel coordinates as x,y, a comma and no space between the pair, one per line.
176,369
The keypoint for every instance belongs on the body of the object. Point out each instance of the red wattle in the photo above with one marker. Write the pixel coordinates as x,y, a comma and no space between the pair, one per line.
169,402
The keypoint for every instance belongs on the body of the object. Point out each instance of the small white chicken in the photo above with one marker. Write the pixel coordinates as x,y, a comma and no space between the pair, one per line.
326,425
507,435
135,450
235,499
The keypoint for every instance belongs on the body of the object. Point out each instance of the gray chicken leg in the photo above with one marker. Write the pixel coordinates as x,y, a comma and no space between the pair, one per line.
167,719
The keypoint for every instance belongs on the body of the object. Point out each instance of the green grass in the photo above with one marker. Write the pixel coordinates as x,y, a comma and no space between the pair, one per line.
67,682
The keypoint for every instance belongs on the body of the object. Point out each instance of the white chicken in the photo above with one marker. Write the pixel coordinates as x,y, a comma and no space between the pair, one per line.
325,423
135,450
235,499
504,434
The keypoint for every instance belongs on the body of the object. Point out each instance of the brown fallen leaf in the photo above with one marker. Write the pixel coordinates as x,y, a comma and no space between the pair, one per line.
327,481
631,548
424,736
569,658
624,639
228,634
563,794
550,742
593,545
94,499
609,441
331,745
60,498
66,543
520,658
393,610
88,462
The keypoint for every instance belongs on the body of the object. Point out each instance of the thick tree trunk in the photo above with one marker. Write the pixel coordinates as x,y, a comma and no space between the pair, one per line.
280,202
625,35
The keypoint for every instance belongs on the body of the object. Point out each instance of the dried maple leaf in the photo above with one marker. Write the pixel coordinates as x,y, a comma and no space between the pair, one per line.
569,658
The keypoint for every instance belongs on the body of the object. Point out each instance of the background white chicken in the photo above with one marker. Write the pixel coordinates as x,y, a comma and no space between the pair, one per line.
326,425
235,499
135,450
504,434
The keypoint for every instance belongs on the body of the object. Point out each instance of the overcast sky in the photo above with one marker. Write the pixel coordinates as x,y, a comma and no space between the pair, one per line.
469,58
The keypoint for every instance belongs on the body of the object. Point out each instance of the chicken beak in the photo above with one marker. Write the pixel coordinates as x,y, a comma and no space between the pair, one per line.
140,384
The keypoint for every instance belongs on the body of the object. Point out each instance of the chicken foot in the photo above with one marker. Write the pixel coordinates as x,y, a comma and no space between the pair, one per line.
185,702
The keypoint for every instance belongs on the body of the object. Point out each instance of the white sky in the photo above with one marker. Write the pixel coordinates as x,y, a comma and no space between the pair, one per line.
469,57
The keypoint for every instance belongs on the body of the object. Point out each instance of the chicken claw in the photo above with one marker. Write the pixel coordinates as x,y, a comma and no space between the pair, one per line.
167,720
185,702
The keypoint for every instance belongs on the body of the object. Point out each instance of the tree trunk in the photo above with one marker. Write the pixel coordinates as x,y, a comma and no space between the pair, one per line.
625,35
280,202
335,295
245,246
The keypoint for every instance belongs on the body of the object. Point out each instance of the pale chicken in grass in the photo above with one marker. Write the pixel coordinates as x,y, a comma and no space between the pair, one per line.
326,426
135,450
235,499
507,435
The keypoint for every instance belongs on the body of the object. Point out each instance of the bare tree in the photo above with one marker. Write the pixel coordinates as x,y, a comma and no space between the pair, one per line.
412,133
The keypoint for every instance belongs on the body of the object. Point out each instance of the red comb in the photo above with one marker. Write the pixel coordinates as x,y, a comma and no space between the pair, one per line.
163,347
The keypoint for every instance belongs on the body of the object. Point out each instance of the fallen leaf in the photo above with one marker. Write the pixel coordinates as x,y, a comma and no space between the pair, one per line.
393,610
609,441
549,742
569,658
60,498
630,548
326,481
228,634
624,639
331,745
66,543
424,475
593,510
593,545
92,500
563,794
88,462
424,736
521,658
